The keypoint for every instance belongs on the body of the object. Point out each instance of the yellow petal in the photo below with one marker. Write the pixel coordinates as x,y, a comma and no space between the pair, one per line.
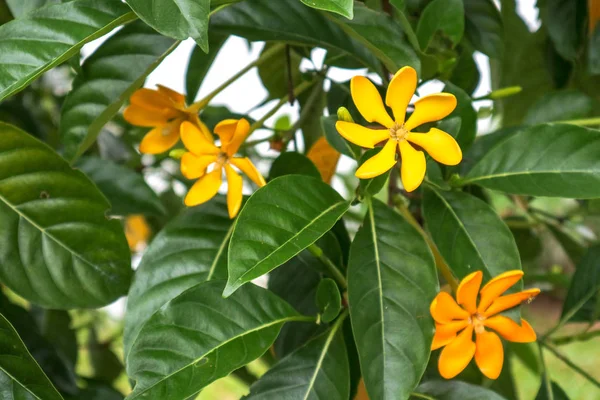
161,138
205,189
444,309
150,99
325,158
241,132
439,145
137,231
140,116
457,354
431,108
509,301
195,141
234,191
413,167
176,97
368,101
379,163
361,136
510,330
489,354
193,166
248,168
225,129
466,294
400,91
445,333
194,119
496,287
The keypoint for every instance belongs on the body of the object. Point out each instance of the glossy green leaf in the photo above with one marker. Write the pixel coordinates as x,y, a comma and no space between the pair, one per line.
18,8
445,16
290,162
391,282
566,25
583,293
336,140
191,249
456,390
543,160
483,27
328,300
179,19
59,248
199,336
50,35
464,110
278,222
107,79
199,64
559,106
342,7
557,392
20,375
482,145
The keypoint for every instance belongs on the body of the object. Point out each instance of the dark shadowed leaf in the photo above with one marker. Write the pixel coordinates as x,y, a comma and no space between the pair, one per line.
445,17
483,27
456,390
342,7
328,300
583,292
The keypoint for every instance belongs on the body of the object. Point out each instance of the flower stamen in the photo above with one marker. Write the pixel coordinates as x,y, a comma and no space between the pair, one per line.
398,132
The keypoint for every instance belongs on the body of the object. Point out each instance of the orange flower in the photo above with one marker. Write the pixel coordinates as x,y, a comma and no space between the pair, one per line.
164,110
455,323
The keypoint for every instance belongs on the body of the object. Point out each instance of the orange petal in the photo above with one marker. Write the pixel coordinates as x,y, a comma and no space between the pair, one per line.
400,91
489,354
140,116
193,166
496,287
248,168
205,189
380,163
195,141
431,108
510,330
444,309
176,97
361,136
509,301
325,158
234,191
466,294
457,354
439,145
161,138
413,166
368,101
445,333
150,99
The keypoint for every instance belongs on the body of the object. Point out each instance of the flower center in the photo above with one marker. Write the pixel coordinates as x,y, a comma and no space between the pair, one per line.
222,158
477,321
397,132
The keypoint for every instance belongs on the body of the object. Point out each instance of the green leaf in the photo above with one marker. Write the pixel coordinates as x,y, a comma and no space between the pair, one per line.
445,16
466,74
328,300
19,8
566,25
289,163
179,19
107,79
482,145
106,367
336,140
483,27
199,64
372,186
191,249
59,248
20,375
312,103
391,282
278,221
457,390
97,391
543,160
48,36
594,52
557,392
319,370
559,106
55,326
199,337
342,7
467,114
583,292
274,74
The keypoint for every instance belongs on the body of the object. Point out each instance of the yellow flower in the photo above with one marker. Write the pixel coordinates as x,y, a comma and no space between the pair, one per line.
137,231
164,110
203,153
441,146
469,315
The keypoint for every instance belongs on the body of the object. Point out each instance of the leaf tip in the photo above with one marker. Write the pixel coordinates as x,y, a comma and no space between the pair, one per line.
231,287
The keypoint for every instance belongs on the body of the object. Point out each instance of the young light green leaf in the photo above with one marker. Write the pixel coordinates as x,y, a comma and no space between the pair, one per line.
582,297
391,282
328,300
342,7
59,248
445,16
483,27
456,390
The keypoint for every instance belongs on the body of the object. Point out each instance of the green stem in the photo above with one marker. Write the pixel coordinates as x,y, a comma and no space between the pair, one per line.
570,313
331,267
570,363
421,396
546,377
581,122
580,337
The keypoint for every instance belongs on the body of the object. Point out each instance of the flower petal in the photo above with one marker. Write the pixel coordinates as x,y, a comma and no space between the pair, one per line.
193,166
457,354
140,116
489,354
248,168
439,145
225,129
445,333
379,163
195,141
510,330
205,189
367,99
413,166
401,89
161,138
431,108
444,309
150,99
234,191
509,301
194,119
361,136
496,287
466,294
241,132
176,97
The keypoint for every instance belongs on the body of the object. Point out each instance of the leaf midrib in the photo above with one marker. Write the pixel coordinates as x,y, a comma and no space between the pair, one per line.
528,172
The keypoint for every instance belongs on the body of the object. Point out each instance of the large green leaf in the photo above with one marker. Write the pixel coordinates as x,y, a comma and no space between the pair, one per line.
391,282
483,27
290,162
179,19
199,337
342,7
20,375
278,222
583,292
59,248
445,16
456,390
46,37
189,250
107,79
559,106
557,392
543,160
199,64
